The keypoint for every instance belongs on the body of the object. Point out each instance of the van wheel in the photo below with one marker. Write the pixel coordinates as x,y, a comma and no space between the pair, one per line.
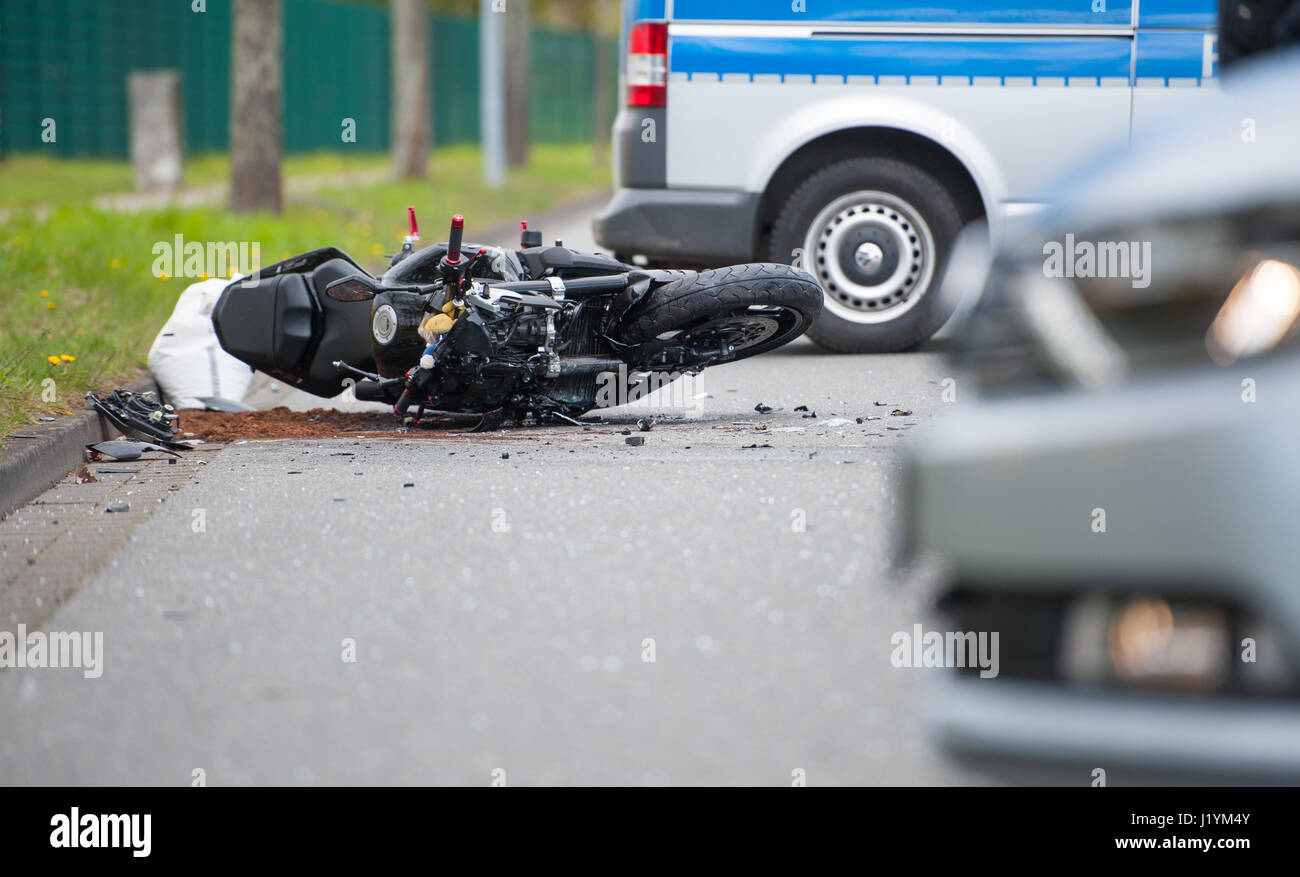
876,233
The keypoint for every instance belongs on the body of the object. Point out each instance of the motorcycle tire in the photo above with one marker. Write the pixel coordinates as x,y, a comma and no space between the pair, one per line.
757,307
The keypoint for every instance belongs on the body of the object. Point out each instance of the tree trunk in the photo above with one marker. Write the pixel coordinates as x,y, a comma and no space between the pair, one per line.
604,24
408,109
257,106
518,38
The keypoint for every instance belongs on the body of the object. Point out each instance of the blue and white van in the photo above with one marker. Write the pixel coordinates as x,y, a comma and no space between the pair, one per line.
856,139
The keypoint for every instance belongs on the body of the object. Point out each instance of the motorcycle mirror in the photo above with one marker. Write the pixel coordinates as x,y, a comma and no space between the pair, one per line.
355,288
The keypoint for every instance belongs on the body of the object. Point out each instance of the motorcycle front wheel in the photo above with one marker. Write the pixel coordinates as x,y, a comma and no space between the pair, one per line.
751,308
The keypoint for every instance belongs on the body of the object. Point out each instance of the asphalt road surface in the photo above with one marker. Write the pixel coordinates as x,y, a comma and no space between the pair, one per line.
694,610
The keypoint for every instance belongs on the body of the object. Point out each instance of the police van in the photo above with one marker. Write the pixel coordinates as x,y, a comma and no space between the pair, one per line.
856,139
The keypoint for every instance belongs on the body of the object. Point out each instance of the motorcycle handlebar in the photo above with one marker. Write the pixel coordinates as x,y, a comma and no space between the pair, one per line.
454,240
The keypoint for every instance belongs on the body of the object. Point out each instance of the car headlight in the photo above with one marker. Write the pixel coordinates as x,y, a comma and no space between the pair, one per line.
1087,310
1260,311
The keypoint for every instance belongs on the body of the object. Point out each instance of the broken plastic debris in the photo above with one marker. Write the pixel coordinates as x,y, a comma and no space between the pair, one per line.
645,424
748,447
801,408
761,408
635,441
224,406
127,449
124,507
835,421
899,412
868,417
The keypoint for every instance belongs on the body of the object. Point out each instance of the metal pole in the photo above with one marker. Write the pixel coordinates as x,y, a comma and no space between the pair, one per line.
492,97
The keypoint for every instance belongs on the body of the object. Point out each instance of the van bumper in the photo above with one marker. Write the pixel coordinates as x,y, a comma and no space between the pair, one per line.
695,225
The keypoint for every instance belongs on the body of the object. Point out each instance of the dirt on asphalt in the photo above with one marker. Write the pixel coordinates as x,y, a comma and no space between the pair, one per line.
285,423
214,426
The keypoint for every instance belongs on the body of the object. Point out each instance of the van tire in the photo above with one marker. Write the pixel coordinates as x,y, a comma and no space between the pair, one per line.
854,321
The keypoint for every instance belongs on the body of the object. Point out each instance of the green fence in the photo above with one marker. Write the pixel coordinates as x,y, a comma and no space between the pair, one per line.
68,60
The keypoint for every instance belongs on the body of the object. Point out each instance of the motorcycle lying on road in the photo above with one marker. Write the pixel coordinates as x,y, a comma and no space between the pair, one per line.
504,334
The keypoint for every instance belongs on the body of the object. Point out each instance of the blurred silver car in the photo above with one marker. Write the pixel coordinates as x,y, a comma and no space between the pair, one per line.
1118,493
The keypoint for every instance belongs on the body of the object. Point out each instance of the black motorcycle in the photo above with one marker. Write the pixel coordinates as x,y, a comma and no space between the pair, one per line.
506,334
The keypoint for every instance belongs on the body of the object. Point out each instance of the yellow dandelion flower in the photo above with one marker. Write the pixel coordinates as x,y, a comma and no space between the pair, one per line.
204,276
115,263
53,360
80,331
66,358
50,305
164,276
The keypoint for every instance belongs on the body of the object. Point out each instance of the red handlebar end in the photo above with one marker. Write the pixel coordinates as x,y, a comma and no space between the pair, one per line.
457,221
415,226
523,225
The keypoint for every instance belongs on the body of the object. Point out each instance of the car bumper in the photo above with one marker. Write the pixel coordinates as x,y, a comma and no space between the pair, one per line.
1199,492
696,225
1195,484
1000,723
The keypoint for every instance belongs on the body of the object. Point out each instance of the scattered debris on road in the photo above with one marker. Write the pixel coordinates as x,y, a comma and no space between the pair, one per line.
125,449
635,441
761,408
139,414
899,412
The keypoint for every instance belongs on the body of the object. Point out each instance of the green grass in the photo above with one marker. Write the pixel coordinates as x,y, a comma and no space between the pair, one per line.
34,180
103,305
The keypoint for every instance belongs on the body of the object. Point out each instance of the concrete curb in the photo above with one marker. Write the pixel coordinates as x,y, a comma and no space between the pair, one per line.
30,466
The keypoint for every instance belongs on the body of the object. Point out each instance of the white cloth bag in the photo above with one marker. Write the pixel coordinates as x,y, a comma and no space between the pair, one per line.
187,360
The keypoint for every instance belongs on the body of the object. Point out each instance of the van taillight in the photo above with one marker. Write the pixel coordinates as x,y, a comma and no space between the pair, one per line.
647,66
